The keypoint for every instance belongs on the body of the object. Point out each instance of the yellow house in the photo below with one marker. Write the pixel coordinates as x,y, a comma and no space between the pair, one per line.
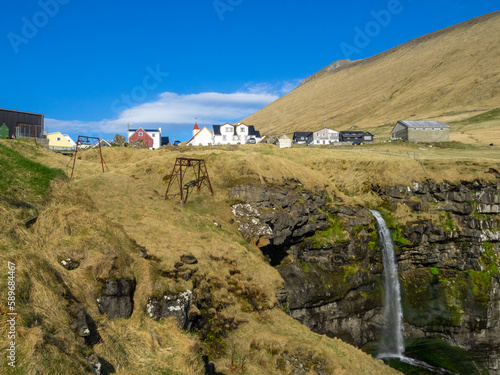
58,140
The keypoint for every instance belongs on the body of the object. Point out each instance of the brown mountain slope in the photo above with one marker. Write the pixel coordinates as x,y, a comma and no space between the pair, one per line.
449,74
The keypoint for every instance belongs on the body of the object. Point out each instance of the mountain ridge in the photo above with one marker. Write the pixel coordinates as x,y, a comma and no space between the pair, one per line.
444,74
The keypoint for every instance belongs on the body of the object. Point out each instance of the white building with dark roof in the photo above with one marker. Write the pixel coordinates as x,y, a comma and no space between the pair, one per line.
228,134
323,136
421,131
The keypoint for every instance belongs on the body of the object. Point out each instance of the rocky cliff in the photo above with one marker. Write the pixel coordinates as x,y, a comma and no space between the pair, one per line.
447,241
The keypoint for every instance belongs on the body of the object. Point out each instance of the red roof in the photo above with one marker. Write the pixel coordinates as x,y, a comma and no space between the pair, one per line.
196,126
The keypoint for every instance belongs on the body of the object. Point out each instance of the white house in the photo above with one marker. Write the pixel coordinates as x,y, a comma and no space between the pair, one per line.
323,136
234,134
201,137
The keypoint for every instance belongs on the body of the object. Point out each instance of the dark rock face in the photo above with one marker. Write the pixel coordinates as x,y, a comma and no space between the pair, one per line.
277,218
99,365
116,300
84,326
171,305
331,265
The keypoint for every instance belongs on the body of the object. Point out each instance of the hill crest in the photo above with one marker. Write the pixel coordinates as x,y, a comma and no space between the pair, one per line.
443,75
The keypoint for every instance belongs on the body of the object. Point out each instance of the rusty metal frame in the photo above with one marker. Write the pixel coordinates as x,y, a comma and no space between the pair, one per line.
85,140
25,125
181,166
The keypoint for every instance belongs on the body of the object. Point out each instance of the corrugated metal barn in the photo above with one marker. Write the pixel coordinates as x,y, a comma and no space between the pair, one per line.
12,118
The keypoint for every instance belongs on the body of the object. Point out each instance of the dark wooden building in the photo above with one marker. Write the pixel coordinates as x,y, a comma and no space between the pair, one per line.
355,136
33,123
301,137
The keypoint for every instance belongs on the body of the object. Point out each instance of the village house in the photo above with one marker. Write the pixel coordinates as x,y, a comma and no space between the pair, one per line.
201,137
421,131
323,136
59,141
103,143
150,138
234,134
356,136
301,137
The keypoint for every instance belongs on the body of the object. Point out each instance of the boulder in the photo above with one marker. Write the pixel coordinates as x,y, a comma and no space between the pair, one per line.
171,305
116,299
69,264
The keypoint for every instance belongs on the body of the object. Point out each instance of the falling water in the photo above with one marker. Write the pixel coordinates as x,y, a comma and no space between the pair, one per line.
391,343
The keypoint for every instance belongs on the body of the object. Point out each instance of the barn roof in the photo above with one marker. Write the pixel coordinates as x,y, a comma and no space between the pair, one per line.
146,130
423,124
302,134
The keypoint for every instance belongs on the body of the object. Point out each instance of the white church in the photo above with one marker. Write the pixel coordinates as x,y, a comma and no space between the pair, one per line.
201,137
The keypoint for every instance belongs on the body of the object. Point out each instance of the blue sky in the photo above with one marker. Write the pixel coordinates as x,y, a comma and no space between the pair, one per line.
93,66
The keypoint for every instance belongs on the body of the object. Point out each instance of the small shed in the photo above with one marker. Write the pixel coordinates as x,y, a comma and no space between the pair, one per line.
421,131
4,131
284,141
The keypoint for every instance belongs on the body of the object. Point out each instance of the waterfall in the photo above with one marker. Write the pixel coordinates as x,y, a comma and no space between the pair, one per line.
391,343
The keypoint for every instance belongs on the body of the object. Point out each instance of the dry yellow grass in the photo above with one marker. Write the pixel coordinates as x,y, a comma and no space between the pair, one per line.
93,218
84,220
448,75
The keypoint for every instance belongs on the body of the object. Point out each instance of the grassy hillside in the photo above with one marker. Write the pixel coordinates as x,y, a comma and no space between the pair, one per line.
449,75
100,220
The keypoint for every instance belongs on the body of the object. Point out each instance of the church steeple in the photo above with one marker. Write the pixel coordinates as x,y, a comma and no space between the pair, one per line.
196,129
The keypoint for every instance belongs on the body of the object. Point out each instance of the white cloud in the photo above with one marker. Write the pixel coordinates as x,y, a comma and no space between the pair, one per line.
172,110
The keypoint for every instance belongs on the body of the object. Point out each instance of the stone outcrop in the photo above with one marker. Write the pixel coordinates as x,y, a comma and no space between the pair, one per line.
69,264
171,305
274,218
83,326
447,251
116,300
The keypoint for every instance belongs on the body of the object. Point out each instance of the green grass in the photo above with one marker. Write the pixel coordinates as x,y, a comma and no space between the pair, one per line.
487,116
434,270
23,178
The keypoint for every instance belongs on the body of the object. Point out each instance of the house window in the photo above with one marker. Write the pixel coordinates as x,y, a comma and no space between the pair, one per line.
224,137
441,129
152,135
424,128
317,134
58,139
433,129
317,141
242,129
140,134
228,130
414,128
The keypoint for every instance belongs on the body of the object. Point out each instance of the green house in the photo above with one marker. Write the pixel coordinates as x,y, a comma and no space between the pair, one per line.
4,131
